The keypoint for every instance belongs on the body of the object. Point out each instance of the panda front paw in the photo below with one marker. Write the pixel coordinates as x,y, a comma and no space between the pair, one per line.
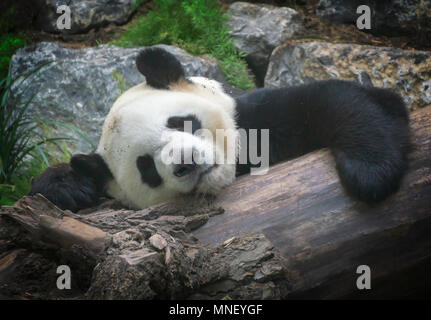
66,188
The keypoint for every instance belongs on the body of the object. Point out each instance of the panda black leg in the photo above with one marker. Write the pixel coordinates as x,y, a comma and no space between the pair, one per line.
76,185
367,181
371,152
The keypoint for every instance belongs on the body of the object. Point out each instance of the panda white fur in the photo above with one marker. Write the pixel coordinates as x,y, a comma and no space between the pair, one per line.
365,128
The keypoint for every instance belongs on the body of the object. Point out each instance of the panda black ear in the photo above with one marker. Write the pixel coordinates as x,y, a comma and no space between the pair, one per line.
93,166
159,67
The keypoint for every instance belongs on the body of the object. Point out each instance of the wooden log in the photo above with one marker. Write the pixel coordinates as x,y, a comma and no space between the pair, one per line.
324,235
301,220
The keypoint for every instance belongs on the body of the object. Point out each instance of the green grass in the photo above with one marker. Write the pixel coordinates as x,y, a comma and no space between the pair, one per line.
24,144
199,27
15,173
120,80
20,183
8,45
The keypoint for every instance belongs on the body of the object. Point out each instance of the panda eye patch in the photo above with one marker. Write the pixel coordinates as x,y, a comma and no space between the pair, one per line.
148,171
177,123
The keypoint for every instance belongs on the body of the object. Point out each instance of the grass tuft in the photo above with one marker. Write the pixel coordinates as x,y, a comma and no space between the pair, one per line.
21,141
197,26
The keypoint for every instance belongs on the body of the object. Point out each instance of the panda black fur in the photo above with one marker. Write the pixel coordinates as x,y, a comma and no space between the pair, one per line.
365,128
74,186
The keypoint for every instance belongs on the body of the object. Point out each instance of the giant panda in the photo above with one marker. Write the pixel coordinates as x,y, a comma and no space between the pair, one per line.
366,129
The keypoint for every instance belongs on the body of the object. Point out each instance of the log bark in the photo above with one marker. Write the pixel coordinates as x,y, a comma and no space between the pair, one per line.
291,233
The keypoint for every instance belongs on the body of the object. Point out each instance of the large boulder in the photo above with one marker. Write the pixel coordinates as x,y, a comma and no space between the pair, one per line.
258,28
390,17
79,86
85,14
407,72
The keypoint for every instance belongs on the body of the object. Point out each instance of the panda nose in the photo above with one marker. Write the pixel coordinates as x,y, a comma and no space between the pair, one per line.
183,169
187,165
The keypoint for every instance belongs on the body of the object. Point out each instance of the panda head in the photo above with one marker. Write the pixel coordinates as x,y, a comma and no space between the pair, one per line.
169,136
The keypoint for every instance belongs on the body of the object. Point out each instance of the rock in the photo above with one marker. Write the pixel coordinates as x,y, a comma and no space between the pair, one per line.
158,242
85,15
257,29
387,17
407,72
79,86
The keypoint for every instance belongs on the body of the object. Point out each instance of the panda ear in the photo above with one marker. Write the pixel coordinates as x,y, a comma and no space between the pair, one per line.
160,68
93,166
